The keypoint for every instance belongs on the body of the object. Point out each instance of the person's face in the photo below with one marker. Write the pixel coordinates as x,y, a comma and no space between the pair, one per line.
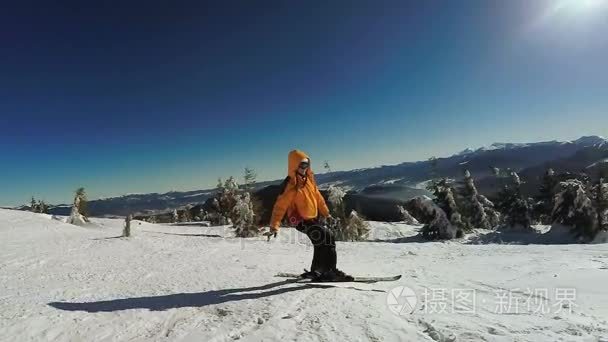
303,167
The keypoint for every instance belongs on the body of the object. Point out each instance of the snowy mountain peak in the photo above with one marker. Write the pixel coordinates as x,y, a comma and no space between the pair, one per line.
591,140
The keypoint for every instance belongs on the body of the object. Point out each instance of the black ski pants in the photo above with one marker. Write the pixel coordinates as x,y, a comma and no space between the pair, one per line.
324,256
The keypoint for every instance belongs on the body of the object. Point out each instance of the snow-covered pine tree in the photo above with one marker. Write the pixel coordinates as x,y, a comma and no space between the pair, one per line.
175,216
444,198
43,208
351,227
405,216
514,206
33,205
83,207
76,216
126,232
472,208
438,227
186,215
244,217
601,204
544,201
249,178
574,207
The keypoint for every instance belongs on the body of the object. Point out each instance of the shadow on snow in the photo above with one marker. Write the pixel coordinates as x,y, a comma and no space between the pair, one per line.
183,300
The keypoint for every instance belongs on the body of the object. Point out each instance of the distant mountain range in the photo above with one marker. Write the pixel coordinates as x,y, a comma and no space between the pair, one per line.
406,180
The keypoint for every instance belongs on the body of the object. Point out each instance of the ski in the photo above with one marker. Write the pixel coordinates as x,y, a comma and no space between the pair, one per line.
356,280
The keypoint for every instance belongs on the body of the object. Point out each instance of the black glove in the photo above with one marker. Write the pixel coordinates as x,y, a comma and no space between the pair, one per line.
270,233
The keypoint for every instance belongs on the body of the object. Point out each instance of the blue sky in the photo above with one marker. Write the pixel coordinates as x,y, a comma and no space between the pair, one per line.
153,96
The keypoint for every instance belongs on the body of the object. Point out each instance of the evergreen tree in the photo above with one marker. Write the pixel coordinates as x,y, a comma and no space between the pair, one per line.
544,204
351,227
445,200
574,208
33,205
186,215
83,207
249,178
601,203
43,208
126,232
175,216
514,206
76,216
473,209
244,217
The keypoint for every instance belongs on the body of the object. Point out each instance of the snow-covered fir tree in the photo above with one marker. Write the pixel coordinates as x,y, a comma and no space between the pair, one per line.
43,208
514,206
249,179
601,203
244,217
472,206
437,225
83,207
349,227
406,217
574,208
126,232
186,214
33,205
543,203
444,198
175,216
76,216
223,203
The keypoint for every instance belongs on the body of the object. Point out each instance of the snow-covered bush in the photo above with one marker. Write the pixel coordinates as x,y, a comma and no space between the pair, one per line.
573,207
352,228
175,216
245,220
405,216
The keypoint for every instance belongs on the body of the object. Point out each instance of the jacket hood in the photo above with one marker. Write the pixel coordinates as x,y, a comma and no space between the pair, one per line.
293,163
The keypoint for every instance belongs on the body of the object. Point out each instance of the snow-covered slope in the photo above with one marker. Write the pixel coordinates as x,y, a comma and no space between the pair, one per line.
65,283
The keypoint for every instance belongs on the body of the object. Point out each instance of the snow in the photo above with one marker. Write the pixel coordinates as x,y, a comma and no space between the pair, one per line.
62,282
597,163
204,193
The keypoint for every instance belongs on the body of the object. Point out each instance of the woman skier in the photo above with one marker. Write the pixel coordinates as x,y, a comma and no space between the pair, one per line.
301,200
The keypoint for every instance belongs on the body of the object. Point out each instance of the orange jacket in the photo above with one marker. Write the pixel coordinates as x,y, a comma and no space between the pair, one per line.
301,198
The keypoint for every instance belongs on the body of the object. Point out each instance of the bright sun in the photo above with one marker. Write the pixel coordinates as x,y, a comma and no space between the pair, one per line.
579,5
572,11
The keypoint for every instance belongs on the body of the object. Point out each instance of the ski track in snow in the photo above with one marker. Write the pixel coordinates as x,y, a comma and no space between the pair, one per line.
66,283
